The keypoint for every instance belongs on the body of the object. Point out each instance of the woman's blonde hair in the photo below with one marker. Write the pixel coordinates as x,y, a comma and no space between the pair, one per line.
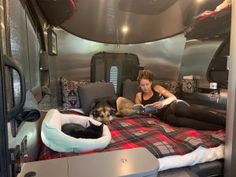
145,74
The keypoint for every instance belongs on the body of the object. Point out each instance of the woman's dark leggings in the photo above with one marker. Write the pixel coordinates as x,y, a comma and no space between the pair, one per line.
181,115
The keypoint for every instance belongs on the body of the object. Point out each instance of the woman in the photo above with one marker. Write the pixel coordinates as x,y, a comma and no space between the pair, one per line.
156,95
174,112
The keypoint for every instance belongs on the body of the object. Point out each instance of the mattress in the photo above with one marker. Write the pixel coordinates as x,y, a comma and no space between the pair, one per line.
174,147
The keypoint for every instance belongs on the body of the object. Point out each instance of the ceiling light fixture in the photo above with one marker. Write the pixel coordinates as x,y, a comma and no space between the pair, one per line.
125,29
199,1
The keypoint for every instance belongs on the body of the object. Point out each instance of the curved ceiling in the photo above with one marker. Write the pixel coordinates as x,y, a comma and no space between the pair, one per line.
132,21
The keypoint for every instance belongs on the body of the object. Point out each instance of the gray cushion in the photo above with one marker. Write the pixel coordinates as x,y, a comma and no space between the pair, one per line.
89,92
130,88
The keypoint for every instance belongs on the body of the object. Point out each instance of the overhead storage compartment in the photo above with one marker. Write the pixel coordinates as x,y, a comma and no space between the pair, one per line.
57,11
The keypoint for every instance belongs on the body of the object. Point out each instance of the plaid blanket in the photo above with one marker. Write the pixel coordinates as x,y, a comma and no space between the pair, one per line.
159,138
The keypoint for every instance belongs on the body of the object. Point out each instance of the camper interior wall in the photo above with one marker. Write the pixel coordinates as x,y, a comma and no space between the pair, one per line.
165,58
73,60
196,59
24,47
24,42
230,150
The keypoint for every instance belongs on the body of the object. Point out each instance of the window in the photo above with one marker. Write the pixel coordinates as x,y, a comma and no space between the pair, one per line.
114,76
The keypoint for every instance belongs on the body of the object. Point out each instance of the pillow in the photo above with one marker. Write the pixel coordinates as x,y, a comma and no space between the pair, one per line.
70,96
130,88
91,91
172,86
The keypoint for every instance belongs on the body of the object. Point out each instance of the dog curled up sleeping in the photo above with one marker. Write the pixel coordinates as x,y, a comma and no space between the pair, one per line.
103,109
124,107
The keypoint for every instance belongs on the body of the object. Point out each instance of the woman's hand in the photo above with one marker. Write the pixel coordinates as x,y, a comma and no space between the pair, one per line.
159,104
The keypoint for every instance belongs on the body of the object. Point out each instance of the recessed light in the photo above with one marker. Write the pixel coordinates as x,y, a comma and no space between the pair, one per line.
125,29
199,1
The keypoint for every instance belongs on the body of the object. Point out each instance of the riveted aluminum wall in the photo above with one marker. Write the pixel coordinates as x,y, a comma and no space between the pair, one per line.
162,57
24,43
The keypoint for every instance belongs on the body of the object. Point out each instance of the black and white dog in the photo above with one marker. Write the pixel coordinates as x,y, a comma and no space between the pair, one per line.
103,109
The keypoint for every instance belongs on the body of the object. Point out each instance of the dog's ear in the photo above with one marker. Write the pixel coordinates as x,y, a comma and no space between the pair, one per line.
95,113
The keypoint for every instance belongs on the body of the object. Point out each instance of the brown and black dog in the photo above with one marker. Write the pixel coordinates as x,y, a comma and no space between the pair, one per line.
103,109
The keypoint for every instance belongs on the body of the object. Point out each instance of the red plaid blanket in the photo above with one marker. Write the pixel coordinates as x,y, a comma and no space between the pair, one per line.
159,138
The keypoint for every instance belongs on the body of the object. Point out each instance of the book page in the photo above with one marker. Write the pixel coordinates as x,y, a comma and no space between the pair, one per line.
147,109
138,108
150,109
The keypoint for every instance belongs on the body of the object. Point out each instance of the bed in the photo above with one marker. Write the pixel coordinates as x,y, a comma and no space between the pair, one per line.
181,151
174,147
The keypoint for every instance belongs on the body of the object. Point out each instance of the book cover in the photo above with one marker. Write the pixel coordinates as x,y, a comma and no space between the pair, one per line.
147,109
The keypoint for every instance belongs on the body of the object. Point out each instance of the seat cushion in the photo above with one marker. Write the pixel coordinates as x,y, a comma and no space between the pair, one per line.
92,91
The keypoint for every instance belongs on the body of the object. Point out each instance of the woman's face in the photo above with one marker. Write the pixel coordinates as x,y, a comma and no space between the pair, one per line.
145,85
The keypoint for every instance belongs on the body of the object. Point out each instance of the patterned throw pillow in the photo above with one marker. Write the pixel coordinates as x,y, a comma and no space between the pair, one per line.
172,86
70,95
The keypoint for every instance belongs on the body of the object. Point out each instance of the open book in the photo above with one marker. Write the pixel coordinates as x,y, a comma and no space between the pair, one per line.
147,109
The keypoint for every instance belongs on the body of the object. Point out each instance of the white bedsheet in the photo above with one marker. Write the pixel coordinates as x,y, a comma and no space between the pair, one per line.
200,155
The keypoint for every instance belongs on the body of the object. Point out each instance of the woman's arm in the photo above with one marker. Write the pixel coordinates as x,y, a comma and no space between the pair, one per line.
138,98
169,97
224,4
